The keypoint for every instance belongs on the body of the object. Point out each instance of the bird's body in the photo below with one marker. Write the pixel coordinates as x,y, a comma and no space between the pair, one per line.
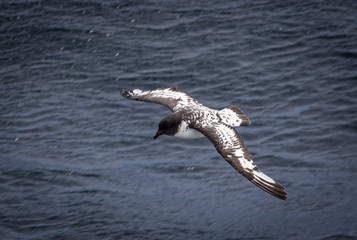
185,132
190,119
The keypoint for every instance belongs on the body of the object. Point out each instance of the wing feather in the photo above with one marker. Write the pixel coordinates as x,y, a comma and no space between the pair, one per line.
230,145
172,97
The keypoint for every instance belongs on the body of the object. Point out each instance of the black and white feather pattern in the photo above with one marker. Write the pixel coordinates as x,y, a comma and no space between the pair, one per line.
230,145
172,97
218,127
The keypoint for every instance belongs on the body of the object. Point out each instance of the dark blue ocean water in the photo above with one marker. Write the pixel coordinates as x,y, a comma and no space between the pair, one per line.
78,160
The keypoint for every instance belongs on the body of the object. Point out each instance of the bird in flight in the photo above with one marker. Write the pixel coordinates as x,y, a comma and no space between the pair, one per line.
190,119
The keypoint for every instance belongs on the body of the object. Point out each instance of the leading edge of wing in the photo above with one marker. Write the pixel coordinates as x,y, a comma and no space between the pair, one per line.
171,97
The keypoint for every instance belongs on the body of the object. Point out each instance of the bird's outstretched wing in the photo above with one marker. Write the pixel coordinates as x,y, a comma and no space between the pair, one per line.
172,97
230,145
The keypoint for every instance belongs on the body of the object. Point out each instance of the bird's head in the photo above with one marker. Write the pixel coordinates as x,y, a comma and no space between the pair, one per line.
169,125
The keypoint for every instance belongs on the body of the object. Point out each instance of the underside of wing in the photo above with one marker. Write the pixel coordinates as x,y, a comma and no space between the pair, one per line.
230,145
172,97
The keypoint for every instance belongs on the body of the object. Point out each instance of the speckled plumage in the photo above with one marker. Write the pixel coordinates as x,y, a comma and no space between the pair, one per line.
191,119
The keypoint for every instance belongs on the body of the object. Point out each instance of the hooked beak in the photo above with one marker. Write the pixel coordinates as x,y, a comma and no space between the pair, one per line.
158,134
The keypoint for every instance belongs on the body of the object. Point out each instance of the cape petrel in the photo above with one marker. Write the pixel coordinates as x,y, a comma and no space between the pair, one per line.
190,119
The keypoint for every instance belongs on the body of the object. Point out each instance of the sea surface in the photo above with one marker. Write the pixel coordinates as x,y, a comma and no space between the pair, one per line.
78,161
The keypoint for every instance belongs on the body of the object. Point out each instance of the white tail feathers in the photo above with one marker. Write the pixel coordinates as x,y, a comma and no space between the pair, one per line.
233,116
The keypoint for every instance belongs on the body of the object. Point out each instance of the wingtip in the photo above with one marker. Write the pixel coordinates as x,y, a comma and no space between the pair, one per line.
125,93
132,94
270,186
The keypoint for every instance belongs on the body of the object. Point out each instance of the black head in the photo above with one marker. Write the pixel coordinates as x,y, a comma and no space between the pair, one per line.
169,125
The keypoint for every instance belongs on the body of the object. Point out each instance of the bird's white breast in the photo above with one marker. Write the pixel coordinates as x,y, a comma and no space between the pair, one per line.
187,133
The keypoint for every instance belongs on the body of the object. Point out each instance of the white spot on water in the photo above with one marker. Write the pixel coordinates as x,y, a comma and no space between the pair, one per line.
189,168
